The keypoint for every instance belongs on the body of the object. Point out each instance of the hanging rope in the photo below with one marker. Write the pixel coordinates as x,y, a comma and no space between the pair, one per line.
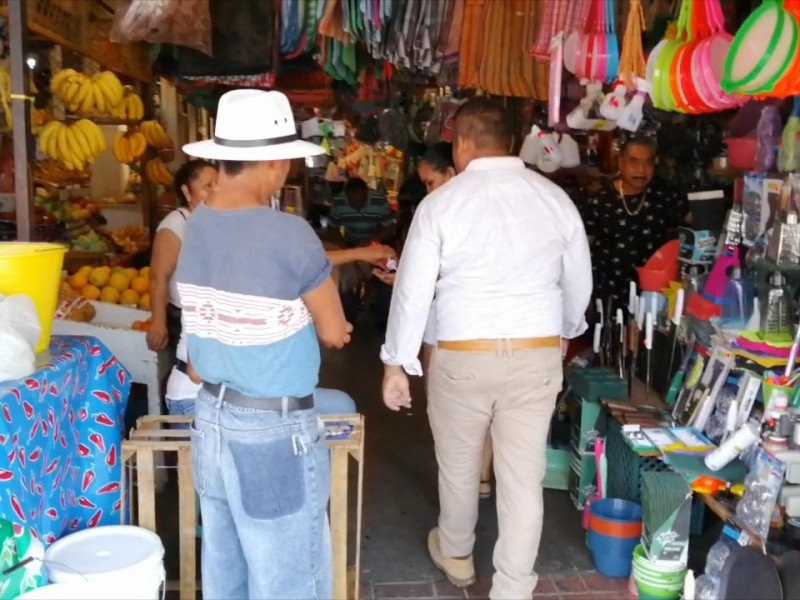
631,60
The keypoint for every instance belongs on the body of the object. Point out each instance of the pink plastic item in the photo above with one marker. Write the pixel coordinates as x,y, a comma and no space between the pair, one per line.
554,100
708,62
715,283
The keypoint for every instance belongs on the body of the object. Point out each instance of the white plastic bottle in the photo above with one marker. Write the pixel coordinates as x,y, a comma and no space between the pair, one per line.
746,436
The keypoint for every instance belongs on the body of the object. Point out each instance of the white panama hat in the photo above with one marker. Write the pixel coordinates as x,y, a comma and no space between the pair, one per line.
253,125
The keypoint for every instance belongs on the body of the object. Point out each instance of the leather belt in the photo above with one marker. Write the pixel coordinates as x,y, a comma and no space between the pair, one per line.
235,398
182,366
552,341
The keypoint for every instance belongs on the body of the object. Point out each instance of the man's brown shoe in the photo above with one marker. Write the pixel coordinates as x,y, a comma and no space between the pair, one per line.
459,571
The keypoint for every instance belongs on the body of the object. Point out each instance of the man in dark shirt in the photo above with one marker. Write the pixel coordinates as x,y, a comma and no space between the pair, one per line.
630,218
364,214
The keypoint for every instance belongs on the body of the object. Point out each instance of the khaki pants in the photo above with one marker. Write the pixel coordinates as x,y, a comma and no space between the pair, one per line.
514,394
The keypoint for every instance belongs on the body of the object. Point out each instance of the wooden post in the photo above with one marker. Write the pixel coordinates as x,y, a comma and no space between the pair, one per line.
21,113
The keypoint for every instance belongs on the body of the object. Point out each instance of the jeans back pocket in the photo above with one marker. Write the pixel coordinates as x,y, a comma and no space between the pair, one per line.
271,475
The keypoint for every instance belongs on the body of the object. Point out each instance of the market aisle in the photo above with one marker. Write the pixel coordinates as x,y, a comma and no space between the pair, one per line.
400,503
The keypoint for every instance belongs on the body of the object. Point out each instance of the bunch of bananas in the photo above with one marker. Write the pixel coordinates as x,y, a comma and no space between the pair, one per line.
5,95
157,172
156,136
128,147
130,109
99,94
75,146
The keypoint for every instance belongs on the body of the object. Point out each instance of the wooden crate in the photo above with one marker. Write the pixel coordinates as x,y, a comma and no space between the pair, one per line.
152,435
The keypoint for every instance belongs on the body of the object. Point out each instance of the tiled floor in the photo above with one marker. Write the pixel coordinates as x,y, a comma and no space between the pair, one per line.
588,585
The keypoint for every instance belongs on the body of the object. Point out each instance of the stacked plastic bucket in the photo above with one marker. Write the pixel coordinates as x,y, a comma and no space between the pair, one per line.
654,581
615,527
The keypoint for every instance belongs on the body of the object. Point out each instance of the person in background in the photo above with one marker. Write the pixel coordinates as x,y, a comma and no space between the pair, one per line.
258,300
363,214
436,167
194,183
511,257
364,217
630,218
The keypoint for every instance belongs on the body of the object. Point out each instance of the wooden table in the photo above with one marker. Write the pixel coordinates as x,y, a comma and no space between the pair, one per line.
152,435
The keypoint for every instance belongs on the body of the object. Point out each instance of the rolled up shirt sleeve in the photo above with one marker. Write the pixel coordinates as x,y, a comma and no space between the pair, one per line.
575,281
413,292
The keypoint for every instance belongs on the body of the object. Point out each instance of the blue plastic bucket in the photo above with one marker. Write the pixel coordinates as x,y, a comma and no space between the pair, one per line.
615,529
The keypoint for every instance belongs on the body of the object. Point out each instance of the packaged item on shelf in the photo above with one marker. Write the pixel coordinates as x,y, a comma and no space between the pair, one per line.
762,488
776,309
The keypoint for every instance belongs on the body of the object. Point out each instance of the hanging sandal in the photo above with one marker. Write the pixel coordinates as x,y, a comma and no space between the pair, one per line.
483,494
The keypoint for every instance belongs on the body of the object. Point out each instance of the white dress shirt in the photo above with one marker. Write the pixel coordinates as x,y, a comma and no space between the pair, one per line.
506,254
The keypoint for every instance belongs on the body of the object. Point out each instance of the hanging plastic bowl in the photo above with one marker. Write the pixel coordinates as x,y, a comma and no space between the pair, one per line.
761,51
707,64
650,72
789,83
570,49
612,44
663,89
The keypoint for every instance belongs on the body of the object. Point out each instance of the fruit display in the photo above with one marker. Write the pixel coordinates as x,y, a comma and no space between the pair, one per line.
142,325
156,136
117,285
157,172
72,306
99,94
129,147
75,146
130,109
54,173
130,239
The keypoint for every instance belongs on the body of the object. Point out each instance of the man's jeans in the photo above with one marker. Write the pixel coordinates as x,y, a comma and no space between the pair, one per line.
263,479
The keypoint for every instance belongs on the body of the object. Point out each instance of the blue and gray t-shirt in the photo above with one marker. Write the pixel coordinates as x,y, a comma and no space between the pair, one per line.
241,275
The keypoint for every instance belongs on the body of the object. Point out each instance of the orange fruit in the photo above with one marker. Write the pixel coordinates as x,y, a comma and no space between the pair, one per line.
99,276
129,298
66,288
140,284
90,292
131,274
85,270
144,272
109,294
117,270
119,281
144,302
78,281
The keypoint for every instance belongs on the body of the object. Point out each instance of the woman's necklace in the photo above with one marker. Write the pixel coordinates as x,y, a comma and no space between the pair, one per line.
625,204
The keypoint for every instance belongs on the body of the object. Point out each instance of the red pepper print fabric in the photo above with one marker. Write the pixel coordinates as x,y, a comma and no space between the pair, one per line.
60,436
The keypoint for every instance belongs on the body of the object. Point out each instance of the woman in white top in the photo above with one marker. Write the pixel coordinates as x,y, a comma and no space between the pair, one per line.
435,168
194,183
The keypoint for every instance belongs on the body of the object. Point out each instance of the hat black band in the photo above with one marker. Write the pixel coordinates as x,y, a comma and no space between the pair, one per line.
256,143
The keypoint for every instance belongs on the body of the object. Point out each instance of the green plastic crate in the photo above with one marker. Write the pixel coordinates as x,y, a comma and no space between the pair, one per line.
595,383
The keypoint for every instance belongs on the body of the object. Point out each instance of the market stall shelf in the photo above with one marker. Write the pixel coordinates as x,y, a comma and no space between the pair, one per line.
60,435
345,438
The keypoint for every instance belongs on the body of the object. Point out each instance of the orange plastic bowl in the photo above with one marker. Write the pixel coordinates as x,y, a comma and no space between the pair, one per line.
652,280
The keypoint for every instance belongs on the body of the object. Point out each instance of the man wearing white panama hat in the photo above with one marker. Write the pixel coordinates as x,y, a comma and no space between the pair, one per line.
257,295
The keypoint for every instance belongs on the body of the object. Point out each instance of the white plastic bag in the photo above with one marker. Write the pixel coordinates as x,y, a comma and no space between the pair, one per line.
19,331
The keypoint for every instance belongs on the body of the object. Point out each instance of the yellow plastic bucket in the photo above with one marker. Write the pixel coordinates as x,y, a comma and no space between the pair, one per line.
33,269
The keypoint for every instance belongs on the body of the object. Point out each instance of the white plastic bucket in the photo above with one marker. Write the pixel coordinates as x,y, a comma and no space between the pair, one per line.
66,591
118,562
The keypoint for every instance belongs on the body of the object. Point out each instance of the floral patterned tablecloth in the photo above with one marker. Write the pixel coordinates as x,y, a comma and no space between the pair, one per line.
60,436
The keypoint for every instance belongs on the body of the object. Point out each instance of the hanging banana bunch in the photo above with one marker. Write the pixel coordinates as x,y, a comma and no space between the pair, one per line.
156,136
129,147
130,109
75,146
99,94
158,173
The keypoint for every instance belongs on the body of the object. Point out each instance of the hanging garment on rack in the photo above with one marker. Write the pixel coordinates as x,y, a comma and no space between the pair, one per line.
243,37
259,80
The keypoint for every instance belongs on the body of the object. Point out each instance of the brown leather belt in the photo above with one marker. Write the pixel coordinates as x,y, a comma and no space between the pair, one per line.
500,344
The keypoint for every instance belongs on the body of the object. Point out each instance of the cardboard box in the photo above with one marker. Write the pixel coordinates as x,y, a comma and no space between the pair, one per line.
697,246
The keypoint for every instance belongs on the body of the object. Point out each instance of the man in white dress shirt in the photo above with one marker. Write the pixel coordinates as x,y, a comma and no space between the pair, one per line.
505,251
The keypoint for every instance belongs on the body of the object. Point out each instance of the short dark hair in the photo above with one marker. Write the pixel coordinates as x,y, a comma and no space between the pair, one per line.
232,167
638,140
439,156
355,186
186,174
486,122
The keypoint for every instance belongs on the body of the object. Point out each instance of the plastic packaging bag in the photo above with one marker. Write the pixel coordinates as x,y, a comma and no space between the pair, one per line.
768,132
179,22
19,332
